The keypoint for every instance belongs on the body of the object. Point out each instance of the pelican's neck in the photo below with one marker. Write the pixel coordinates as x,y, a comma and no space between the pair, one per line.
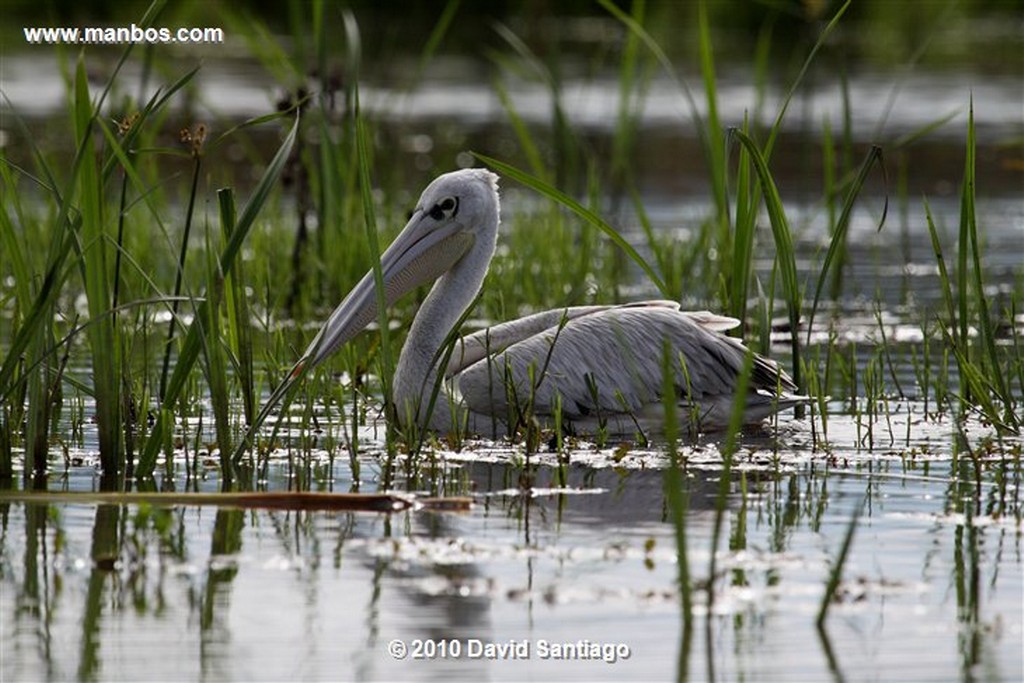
448,299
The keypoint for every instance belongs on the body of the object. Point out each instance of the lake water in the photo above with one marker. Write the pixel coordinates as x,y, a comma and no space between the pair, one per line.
548,555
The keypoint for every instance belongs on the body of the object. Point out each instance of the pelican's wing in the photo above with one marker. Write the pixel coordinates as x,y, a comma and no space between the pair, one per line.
610,361
488,342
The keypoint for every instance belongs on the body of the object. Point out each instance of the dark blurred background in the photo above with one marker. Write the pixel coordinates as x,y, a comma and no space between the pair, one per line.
877,32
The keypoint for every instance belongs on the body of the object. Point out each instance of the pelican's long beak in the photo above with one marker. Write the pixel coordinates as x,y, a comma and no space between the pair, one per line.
421,253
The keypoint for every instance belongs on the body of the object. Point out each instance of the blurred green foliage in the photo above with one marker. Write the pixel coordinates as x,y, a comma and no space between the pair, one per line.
880,32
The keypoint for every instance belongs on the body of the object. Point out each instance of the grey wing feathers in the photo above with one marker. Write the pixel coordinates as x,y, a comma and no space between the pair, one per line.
497,338
610,361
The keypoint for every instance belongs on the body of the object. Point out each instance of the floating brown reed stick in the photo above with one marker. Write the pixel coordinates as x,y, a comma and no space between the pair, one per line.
277,500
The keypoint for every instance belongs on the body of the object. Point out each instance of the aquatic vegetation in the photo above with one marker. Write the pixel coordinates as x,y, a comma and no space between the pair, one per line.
989,373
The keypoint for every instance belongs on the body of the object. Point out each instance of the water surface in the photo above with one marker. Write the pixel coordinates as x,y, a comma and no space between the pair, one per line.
549,554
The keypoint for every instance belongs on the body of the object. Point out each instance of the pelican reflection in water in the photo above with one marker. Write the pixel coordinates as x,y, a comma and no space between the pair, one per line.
598,367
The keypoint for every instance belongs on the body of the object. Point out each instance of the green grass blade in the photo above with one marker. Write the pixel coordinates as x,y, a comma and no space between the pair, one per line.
40,379
179,274
677,497
47,180
434,40
969,223
962,319
527,145
822,37
239,326
54,347
369,216
976,384
944,280
215,365
716,147
191,347
62,242
664,60
669,267
156,103
12,248
586,214
627,120
37,418
103,336
837,245
784,250
747,205
924,131
743,242
38,314
739,408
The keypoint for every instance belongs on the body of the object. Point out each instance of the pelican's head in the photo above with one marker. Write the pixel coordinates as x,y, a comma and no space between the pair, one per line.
468,198
455,211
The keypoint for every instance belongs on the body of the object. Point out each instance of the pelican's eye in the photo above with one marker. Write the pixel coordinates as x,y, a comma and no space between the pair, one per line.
446,208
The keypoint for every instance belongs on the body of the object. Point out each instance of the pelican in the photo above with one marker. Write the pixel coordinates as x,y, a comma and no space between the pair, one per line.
594,367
